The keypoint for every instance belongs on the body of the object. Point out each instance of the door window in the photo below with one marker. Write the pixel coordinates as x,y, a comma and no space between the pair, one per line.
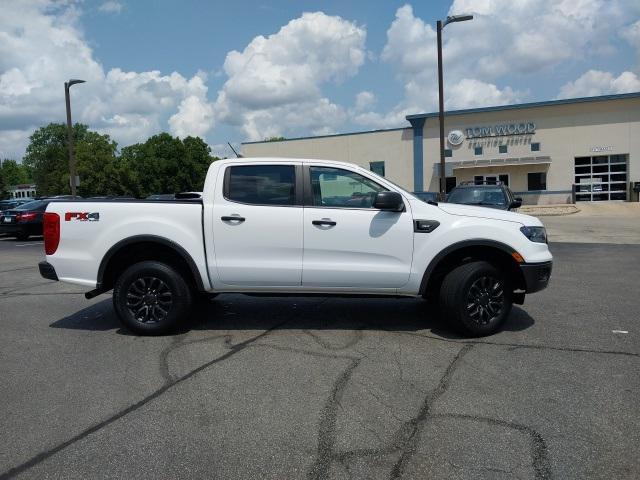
334,187
261,184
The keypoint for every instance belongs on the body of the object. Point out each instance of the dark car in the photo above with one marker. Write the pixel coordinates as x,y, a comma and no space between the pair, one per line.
23,220
486,194
12,203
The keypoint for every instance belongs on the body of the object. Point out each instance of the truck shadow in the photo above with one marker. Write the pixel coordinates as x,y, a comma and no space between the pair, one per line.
239,312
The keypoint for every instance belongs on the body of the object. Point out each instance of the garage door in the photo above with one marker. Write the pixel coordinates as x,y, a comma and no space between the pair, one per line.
601,177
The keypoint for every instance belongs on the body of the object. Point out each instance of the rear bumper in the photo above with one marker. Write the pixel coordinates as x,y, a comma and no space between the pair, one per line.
47,271
12,229
26,228
536,275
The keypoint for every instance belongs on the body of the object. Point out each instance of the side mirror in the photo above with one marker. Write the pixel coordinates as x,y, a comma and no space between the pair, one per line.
389,201
517,203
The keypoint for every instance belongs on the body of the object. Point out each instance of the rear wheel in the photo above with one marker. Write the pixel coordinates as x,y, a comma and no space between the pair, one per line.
476,298
151,298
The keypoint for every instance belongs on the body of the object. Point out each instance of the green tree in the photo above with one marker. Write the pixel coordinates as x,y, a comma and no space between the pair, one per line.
274,139
15,173
162,164
3,187
166,164
98,167
48,158
47,155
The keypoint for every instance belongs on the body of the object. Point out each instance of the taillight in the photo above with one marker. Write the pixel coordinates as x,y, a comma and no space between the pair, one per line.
26,217
51,232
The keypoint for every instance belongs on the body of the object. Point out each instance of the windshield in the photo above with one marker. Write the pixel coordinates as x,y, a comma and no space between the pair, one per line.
477,196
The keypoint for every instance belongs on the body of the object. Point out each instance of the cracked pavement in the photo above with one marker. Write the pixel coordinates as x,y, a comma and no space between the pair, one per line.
321,388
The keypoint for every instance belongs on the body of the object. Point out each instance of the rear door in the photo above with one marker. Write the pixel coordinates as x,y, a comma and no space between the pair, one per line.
347,242
257,224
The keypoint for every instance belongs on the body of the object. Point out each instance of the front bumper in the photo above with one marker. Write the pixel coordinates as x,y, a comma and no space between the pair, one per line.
47,271
536,275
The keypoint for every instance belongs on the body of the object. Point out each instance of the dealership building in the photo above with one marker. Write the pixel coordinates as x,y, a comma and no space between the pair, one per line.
558,151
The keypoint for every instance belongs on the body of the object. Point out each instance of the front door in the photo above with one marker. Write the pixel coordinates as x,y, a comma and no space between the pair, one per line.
257,225
347,242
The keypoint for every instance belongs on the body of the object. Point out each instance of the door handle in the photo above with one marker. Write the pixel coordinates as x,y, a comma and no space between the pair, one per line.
227,218
329,223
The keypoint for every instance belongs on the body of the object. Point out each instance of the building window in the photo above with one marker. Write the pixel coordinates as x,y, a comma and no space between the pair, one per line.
450,182
504,179
535,147
448,152
377,167
536,181
478,180
502,149
477,150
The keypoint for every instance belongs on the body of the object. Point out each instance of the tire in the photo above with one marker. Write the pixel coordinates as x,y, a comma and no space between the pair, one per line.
22,236
476,298
151,298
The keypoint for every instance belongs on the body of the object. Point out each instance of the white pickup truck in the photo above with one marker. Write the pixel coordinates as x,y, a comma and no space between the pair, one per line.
296,226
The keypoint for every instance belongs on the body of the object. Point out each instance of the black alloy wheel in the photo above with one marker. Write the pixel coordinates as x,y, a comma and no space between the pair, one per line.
152,298
149,300
485,300
476,298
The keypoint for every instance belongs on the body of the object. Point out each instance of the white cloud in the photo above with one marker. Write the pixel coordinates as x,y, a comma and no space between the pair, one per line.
194,117
41,46
111,6
512,38
525,36
274,84
411,44
470,93
364,99
596,82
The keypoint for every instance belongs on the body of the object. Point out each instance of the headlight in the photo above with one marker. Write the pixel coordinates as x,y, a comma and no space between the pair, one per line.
535,234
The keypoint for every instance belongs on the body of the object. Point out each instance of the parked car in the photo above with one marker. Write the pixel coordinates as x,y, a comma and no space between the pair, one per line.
12,203
24,220
293,226
486,194
427,196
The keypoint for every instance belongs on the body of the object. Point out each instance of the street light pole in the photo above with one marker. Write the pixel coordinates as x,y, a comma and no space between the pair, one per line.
441,113
440,25
72,159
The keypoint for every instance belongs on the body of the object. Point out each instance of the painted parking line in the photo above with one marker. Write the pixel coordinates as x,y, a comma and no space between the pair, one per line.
619,331
28,244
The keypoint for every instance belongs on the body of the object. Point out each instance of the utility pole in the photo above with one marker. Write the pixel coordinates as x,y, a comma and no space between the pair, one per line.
72,158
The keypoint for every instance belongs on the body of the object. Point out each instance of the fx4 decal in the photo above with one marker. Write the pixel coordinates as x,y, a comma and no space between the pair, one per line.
82,216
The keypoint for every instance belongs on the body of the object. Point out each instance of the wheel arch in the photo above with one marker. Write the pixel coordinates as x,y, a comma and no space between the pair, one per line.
146,247
462,252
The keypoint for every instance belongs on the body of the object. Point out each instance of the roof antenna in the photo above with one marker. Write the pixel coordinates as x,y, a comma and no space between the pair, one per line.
234,151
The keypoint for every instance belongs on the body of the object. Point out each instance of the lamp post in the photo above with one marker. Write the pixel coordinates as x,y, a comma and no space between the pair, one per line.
72,158
440,26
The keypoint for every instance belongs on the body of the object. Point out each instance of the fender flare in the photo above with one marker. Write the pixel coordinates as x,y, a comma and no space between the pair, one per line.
478,242
149,239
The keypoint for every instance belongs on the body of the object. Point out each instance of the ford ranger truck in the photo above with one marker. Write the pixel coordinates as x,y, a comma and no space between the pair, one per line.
295,226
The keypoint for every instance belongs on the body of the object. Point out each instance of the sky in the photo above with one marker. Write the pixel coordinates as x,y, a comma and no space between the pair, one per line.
249,70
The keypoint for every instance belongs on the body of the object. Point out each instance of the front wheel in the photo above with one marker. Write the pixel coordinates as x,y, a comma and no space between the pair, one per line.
151,298
476,298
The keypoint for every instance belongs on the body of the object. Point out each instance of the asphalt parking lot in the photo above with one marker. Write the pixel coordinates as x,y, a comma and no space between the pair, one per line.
324,388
